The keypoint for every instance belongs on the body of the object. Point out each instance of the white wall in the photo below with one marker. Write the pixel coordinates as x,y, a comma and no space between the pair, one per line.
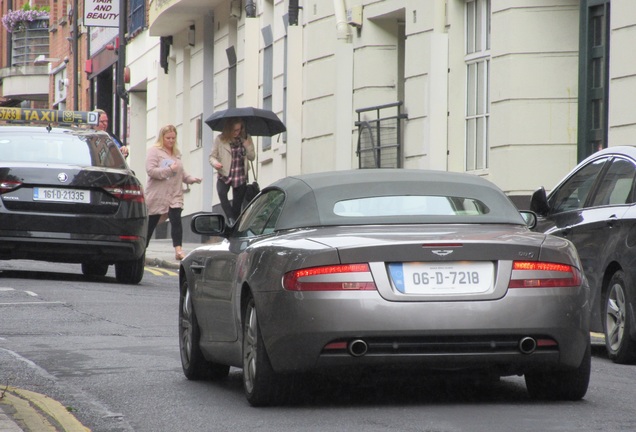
534,85
534,91
622,115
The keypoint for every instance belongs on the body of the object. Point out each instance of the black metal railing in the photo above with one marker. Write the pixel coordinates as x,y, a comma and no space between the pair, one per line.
380,136
30,42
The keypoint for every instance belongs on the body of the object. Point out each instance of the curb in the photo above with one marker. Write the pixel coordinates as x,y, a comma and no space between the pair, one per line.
157,262
35,412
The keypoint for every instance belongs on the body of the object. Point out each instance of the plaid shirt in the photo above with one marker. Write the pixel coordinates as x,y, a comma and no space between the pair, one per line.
237,175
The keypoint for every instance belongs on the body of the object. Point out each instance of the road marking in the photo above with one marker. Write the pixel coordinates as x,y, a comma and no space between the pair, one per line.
30,303
36,409
7,289
31,293
160,271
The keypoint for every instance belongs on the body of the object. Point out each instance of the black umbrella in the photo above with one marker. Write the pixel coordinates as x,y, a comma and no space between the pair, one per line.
258,122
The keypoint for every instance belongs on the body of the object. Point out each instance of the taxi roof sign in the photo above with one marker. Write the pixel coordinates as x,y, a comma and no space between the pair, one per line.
49,116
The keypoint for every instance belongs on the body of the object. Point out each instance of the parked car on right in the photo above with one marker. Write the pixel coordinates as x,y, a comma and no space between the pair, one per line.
594,206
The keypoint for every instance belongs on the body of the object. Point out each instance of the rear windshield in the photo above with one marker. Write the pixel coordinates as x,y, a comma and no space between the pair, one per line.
409,205
66,147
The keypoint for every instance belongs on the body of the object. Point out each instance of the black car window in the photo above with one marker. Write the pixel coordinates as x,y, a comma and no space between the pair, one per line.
616,184
572,194
83,149
261,215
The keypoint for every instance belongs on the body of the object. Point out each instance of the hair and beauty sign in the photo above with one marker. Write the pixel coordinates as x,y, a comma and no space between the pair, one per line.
101,13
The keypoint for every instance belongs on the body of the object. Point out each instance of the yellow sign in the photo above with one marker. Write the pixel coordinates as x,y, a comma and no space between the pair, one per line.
49,116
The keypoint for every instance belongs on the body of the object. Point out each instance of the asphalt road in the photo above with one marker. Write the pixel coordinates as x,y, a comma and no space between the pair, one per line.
109,353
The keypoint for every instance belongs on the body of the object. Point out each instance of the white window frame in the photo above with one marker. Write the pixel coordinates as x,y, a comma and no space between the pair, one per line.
477,60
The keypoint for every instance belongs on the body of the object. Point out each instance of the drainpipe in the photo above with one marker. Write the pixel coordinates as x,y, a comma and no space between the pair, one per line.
121,66
121,52
250,9
342,28
76,73
344,90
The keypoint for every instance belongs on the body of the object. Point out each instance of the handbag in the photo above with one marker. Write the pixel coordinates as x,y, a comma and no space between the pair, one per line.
251,189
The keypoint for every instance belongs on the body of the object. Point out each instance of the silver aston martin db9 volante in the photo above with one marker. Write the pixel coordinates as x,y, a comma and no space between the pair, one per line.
410,269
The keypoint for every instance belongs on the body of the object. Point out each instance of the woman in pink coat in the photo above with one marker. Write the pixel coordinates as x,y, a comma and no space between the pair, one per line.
164,190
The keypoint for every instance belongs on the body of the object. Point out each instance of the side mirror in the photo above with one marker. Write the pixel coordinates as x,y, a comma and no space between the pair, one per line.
530,218
208,224
539,202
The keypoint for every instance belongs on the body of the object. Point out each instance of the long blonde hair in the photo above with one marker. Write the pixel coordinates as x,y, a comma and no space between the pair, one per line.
228,128
162,132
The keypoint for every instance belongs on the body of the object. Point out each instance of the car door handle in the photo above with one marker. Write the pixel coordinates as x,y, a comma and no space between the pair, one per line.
196,268
566,231
611,221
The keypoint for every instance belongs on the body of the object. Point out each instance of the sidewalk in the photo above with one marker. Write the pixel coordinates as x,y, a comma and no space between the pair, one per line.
160,253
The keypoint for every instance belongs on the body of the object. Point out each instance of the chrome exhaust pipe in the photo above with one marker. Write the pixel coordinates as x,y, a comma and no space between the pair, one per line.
357,348
527,345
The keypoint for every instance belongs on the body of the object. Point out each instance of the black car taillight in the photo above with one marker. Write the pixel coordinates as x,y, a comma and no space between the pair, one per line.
6,185
344,277
127,193
538,274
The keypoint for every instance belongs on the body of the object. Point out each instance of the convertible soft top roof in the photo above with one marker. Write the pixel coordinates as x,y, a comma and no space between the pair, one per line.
310,198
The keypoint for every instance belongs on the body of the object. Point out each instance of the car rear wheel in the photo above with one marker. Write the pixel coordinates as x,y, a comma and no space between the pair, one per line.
94,269
568,385
617,324
262,386
195,366
130,272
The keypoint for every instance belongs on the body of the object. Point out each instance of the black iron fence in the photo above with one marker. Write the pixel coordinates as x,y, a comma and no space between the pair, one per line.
380,136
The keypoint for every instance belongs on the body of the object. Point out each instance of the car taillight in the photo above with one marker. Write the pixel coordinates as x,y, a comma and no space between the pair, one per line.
537,274
6,185
344,277
127,192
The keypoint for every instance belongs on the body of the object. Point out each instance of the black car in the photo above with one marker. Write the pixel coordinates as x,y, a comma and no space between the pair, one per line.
67,195
595,208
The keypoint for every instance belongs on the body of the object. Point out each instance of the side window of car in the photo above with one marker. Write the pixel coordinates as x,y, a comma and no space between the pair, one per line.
574,192
261,215
615,188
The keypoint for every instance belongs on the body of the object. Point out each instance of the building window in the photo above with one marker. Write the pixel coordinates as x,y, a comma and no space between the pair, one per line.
137,17
268,76
594,77
231,78
380,136
477,61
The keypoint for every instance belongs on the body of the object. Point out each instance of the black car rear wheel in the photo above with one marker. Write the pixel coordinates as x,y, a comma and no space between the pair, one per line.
617,323
94,269
130,272
568,385
194,364
262,386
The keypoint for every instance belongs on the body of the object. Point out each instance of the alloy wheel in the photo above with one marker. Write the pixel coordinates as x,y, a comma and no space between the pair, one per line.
615,316
250,349
186,327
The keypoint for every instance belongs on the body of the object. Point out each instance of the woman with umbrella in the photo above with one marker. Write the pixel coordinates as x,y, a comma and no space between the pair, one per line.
231,153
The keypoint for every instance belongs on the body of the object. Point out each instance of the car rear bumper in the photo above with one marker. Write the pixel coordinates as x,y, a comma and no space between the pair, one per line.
71,248
305,331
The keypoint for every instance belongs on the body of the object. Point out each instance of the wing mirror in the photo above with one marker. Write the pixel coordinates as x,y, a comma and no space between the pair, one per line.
208,224
529,217
539,202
